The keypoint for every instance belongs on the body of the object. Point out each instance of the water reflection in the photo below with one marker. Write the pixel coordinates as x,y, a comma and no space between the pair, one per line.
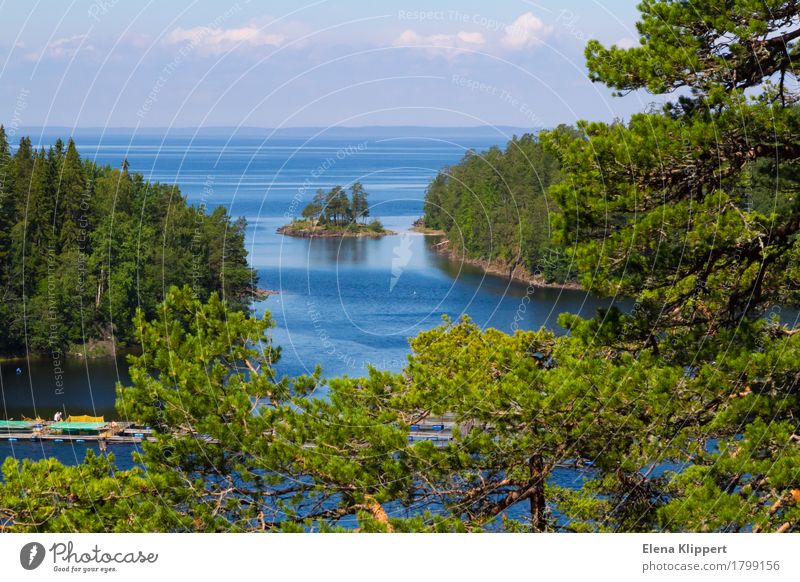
325,252
74,385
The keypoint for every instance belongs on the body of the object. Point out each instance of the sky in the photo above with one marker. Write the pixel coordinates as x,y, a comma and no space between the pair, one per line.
321,63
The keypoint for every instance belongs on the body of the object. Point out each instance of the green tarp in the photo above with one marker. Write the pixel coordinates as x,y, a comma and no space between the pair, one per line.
16,425
78,426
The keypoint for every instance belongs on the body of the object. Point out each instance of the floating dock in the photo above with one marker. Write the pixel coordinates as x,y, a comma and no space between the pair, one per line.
114,432
437,429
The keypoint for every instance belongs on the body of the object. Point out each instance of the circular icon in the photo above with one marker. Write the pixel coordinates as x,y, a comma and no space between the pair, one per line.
31,555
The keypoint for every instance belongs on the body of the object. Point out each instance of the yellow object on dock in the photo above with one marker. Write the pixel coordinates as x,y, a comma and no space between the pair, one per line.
85,418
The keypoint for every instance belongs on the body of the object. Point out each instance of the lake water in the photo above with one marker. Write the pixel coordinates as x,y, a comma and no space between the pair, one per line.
344,304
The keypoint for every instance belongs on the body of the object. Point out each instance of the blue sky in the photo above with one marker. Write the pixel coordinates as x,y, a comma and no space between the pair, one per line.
286,64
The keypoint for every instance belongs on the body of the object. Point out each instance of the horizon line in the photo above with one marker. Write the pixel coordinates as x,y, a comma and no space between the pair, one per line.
273,128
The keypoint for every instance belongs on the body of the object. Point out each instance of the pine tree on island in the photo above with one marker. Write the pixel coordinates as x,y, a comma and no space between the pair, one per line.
334,213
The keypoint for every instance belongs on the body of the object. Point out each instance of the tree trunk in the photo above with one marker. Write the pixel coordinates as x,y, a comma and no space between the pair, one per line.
537,497
378,512
99,294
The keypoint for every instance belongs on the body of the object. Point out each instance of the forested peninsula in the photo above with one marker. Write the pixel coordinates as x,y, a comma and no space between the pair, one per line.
494,211
82,246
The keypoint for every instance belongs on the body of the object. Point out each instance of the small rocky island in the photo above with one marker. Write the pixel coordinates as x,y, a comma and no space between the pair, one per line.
335,214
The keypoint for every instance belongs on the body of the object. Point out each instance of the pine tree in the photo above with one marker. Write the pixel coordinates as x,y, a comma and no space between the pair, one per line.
359,205
655,209
337,206
40,216
23,167
72,210
7,209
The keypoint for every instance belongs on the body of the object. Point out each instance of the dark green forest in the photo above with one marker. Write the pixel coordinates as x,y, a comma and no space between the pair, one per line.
83,246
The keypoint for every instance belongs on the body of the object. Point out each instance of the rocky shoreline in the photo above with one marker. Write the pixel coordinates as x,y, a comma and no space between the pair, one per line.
419,226
261,294
517,273
319,232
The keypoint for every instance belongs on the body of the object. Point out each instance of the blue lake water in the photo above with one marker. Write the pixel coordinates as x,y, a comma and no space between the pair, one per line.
344,304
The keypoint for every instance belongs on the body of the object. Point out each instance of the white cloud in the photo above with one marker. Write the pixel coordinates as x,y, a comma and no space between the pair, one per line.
66,47
448,44
219,40
626,43
526,31
471,38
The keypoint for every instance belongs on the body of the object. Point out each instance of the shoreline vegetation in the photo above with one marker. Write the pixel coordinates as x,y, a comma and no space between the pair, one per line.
309,229
419,227
261,294
95,349
334,214
496,206
92,350
80,241
518,272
